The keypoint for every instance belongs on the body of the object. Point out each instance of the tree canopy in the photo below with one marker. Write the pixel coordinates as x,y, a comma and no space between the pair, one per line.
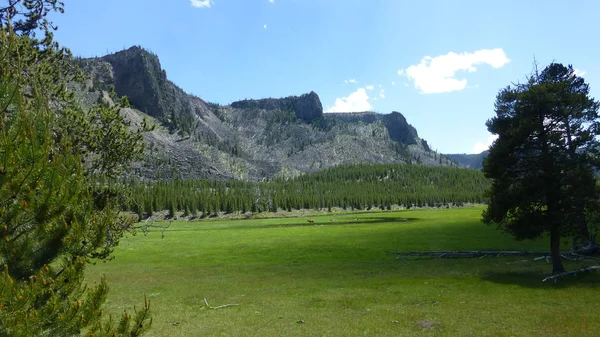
542,164
362,186
56,212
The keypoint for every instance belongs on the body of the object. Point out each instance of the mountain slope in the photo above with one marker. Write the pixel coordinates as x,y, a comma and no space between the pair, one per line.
472,161
249,139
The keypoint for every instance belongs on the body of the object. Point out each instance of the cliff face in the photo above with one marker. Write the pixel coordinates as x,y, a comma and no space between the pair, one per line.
138,75
248,139
399,130
307,107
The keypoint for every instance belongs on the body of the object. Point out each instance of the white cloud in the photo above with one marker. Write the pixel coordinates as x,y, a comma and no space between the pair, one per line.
437,74
201,3
480,147
265,26
272,1
382,93
579,72
357,101
393,83
353,81
369,87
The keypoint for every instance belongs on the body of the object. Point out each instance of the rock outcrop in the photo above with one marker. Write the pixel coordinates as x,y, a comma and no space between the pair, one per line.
307,107
399,129
138,75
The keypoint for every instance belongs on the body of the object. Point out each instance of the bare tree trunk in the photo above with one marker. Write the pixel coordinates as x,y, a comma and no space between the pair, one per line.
557,265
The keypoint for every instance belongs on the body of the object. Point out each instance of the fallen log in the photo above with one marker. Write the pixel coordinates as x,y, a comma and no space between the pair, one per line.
571,273
584,257
571,256
588,250
474,253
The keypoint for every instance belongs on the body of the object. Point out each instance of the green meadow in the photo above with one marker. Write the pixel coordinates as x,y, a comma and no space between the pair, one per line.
333,277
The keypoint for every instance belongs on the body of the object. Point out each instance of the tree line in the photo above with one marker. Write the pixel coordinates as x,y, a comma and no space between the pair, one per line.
351,187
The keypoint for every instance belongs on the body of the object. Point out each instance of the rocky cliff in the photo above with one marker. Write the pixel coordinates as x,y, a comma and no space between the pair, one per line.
248,139
307,107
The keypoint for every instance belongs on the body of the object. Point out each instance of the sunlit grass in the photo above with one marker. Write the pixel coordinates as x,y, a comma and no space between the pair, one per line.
333,278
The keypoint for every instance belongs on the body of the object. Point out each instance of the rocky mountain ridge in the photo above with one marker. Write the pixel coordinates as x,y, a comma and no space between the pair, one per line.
472,161
248,139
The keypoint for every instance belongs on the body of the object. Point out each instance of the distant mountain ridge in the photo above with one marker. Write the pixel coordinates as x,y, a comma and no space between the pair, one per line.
472,161
248,139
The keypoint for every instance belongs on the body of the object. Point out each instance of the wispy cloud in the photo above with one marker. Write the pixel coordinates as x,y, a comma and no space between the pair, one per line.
480,147
357,101
265,26
437,74
353,81
201,3
370,87
272,1
579,73
381,93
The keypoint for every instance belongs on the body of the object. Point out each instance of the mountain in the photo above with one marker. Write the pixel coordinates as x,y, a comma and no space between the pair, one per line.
250,139
473,161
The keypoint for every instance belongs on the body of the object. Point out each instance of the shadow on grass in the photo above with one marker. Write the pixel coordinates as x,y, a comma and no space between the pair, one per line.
533,279
322,223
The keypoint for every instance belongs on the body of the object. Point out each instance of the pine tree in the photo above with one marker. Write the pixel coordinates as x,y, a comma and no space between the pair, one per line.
58,211
542,162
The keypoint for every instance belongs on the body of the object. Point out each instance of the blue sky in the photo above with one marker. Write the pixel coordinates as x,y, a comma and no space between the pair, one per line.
440,63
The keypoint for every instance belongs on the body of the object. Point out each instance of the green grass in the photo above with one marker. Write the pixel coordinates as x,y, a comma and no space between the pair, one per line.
333,278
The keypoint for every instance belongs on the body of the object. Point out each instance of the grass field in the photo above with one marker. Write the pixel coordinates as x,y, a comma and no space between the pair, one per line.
333,278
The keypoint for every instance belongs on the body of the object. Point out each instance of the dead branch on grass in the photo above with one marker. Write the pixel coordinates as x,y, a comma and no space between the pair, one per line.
149,224
472,254
571,256
220,306
571,273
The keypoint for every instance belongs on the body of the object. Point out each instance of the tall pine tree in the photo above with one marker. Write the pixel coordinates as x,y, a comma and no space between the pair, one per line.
57,212
542,163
